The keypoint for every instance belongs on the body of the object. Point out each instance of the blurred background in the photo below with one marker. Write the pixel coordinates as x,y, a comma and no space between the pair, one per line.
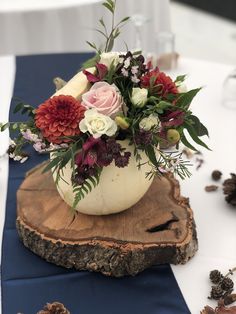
193,28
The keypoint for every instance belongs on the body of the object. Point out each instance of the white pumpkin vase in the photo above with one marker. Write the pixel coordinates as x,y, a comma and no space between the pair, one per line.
118,188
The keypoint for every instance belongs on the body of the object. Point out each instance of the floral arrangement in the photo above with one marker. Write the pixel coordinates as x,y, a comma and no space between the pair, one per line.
126,99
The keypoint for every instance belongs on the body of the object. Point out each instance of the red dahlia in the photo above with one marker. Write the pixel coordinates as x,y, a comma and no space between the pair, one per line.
59,116
159,83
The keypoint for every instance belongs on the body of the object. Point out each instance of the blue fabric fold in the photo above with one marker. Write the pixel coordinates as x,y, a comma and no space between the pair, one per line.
29,282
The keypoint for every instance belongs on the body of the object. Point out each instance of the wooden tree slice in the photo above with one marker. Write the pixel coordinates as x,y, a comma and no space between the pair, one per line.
158,229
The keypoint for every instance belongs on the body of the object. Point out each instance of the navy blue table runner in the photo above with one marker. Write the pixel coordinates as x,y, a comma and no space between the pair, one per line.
29,282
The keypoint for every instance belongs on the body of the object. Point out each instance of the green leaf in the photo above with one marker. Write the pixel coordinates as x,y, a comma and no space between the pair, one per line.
84,189
110,44
150,152
186,142
92,45
91,179
108,6
18,107
164,105
101,21
185,99
194,136
116,33
137,52
65,159
14,126
200,129
180,78
5,126
52,164
125,19
101,32
91,62
111,2
86,183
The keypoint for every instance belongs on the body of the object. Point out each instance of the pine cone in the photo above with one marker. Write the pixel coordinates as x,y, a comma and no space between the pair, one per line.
229,188
227,284
54,308
215,276
216,175
216,292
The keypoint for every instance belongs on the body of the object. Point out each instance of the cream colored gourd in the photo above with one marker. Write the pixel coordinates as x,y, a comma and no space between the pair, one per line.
119,188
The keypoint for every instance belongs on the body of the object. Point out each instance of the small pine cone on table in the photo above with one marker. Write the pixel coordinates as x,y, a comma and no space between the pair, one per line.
54,308
215,276
216,292
227,284
229,188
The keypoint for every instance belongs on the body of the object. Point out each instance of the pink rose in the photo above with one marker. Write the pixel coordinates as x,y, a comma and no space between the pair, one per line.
105,98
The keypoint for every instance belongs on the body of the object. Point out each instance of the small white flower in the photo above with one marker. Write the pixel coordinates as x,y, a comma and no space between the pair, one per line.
139,96
108,58
124,72
97,124
134,69
127,63
12,155
152,121
17,158
23,159
134,79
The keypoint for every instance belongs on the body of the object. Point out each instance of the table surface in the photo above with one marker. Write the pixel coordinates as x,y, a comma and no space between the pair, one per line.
215,219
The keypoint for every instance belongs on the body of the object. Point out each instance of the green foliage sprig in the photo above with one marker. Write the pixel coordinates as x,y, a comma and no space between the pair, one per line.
113,33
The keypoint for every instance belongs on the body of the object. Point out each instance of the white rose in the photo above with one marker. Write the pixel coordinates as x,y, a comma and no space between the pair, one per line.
108,57
97,124
149,122
182,88
139,96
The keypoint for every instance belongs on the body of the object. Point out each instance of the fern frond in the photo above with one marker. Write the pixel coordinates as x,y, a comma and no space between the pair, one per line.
82,190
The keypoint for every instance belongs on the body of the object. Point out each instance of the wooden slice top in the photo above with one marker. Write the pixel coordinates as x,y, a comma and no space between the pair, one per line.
162,217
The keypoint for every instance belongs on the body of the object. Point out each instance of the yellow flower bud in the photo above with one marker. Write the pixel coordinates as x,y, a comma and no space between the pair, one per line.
122,122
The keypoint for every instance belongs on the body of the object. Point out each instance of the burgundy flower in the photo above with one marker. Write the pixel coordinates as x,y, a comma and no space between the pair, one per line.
59,116
122,161
158,83
174,118
94,152
101,73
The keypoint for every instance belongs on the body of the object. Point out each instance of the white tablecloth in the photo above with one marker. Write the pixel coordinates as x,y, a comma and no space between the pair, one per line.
214,218
31,26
